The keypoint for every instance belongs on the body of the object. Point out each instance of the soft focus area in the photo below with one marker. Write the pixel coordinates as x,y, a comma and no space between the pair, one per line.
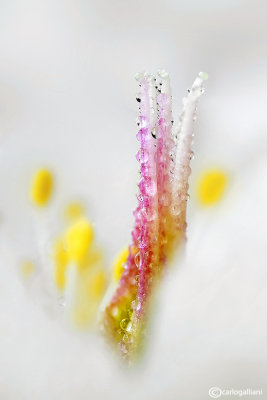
67,165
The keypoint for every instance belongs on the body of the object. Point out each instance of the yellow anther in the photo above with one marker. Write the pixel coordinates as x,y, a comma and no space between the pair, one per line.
79,271
27,269
41,188
211,186
60,263
97,285
78,240
118,266
73,211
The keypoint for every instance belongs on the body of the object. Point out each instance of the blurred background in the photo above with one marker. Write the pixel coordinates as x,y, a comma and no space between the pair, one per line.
67,103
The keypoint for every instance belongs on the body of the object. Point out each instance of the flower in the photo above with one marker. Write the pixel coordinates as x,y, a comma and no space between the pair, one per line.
67,102
160,217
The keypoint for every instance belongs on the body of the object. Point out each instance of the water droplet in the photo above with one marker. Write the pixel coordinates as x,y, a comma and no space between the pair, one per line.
138,155
129,327
144,156
142,244
139,135
137,259
114,312
143,121
123,324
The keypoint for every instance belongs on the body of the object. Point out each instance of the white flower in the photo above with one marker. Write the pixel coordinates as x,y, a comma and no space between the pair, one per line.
67,100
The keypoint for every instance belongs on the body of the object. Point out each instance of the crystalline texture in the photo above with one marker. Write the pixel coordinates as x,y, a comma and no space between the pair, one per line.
160,216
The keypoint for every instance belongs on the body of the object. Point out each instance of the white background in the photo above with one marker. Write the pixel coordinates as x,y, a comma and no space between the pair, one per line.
67,101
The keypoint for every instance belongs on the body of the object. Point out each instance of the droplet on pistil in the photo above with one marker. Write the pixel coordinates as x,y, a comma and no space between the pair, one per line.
123,324
137,259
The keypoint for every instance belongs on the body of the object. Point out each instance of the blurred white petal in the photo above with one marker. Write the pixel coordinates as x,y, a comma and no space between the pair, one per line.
67,101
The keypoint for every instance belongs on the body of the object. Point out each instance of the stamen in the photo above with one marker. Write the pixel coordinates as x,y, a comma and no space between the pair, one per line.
78,239
211,186
41,188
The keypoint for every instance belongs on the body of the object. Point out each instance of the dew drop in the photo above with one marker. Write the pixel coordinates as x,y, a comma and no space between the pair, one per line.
129,327
123,324
139,135
144,156
137,259
114,311
142,244
138,155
